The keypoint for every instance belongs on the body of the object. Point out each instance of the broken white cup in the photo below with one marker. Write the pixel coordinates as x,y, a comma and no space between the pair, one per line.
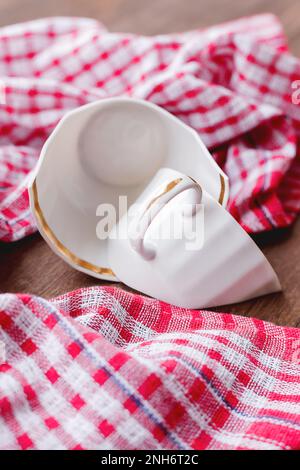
99,152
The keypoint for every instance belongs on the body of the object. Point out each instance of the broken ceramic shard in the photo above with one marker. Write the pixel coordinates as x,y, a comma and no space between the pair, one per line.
225,268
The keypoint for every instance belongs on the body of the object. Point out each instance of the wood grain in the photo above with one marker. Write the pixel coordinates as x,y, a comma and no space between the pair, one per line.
30,266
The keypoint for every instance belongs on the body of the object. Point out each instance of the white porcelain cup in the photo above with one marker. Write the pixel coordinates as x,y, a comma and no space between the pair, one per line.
97,153
152,249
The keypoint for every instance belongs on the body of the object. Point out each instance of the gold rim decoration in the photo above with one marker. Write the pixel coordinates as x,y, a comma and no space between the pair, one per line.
168,188
174,183
222,193
58,245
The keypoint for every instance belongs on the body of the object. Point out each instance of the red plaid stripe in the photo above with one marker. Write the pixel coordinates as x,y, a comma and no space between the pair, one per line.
231,82
91,370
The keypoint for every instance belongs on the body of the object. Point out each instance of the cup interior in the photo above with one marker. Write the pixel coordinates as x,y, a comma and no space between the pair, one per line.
122,145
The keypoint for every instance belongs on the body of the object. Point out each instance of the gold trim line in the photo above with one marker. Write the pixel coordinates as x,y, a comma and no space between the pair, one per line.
59,246
168,188
222,193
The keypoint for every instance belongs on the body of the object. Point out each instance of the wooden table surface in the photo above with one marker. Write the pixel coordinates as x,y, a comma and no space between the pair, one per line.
30,266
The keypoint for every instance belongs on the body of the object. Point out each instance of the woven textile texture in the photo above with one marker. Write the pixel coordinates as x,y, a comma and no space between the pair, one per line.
232,83
101,368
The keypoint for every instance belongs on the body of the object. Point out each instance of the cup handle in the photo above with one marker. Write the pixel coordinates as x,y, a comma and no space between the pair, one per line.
139,226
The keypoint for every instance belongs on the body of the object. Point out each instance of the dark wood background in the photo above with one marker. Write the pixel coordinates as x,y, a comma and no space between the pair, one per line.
30,266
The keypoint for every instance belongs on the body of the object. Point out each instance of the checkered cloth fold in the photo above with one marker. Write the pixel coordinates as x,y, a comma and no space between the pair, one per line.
101,368
232,83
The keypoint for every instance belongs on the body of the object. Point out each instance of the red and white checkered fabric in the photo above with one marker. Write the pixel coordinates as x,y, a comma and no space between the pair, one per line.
232,83
101,368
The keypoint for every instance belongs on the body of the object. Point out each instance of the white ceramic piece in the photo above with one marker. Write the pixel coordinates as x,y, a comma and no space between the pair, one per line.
227,268
103,150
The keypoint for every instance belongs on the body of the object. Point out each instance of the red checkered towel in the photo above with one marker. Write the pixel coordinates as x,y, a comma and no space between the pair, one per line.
232,83
101,368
